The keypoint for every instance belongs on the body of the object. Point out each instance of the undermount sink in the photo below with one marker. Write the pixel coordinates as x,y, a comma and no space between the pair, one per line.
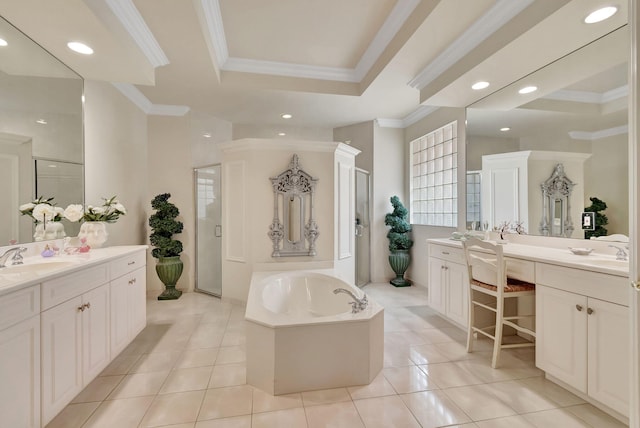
35,268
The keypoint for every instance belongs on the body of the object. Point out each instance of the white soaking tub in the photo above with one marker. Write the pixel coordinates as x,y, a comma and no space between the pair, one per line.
301,336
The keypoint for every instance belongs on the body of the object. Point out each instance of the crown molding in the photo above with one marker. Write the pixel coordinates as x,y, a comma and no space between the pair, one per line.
212,25
589,97
136,97
210,18
500,13
290,70
134,24
420,113
390,123
598,135
394,22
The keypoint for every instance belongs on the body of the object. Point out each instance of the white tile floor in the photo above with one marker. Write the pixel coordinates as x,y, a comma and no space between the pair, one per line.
187,370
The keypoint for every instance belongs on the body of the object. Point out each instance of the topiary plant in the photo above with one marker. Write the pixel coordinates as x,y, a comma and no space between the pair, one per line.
399,233
596,206
164,225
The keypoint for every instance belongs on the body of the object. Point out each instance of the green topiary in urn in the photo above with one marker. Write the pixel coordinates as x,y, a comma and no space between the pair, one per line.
399,241
167,250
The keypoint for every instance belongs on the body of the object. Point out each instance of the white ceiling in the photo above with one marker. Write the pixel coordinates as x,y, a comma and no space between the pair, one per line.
328,62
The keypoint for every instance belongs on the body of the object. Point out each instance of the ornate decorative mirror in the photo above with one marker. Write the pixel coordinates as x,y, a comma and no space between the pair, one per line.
293,192
556,205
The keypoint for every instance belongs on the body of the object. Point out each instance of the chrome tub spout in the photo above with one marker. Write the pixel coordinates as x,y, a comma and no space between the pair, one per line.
358,304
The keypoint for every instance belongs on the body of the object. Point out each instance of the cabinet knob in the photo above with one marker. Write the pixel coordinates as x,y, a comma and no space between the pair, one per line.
81,308
87,305
446,253
590,311
579,308
131,263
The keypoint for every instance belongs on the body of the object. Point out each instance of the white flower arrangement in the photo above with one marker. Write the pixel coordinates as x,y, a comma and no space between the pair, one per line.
109,211
42,210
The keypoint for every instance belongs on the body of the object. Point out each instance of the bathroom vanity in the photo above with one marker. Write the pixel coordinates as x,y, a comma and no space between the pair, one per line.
581,307
62,321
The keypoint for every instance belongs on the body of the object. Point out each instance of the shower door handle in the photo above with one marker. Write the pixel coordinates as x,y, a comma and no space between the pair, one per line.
218,231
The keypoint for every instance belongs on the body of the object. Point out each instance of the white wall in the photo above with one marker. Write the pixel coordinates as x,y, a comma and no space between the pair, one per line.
248,207
116,159
241,131
606,177
170,171
388,179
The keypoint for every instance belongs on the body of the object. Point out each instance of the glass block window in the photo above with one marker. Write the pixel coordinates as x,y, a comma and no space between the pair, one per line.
434,184
473,199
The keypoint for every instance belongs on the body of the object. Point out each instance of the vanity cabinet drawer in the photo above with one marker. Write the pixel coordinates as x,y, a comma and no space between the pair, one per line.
609,288
69,286
19,305
127,264
444,252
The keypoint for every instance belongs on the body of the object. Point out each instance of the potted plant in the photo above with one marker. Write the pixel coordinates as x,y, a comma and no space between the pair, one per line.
166,249
596,206
399,241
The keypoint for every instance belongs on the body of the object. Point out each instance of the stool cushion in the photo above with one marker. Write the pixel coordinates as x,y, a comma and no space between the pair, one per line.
512,285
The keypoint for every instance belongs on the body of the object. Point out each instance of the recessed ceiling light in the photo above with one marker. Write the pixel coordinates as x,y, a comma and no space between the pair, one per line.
600,14
282,134
286,116
80,48
528,89
480,85
505,129
41,121
52,165
3,42
206,135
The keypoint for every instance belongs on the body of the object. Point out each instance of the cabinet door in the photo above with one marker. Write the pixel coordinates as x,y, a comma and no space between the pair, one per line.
436,284
119,297
457,293
138,301
95,332
608,364
61,356
20,374
561,333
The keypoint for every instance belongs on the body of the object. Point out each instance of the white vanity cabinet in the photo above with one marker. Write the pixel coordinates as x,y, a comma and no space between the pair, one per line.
128,298
75,335
448,282
20,358
582,326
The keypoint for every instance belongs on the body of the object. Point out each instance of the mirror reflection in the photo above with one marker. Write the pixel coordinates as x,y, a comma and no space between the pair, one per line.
40,123
577,118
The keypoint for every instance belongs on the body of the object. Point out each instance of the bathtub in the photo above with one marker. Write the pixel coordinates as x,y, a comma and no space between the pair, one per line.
302,337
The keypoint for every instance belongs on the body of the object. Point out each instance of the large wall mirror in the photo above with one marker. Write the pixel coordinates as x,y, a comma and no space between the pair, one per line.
41,133
576,118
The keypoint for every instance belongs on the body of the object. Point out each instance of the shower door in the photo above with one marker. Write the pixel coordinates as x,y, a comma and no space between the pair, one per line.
363,237
208,230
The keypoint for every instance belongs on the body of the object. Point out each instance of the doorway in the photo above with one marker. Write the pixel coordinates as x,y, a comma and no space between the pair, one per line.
363,230
208,230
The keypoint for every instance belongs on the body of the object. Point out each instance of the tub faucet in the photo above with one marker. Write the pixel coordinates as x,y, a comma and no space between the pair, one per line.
621,254
358,304
17,256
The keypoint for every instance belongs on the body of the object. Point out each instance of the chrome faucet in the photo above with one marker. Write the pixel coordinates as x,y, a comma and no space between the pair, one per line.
358,304
621,254
17,256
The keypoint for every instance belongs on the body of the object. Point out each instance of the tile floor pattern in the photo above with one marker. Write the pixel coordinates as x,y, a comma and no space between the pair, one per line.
187,370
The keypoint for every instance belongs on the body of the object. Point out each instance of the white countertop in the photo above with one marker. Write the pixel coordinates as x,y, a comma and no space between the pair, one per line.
13,278
596,262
